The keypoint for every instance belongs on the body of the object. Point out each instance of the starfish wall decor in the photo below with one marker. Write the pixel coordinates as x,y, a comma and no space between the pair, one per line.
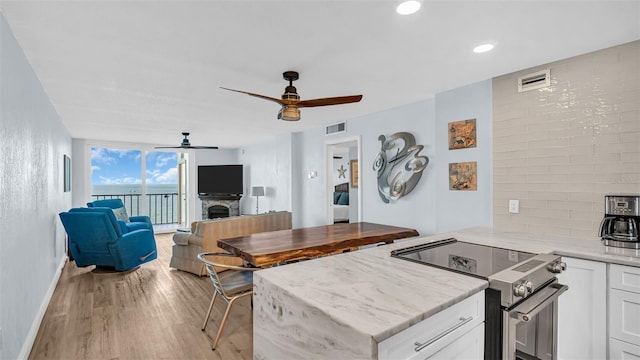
341,172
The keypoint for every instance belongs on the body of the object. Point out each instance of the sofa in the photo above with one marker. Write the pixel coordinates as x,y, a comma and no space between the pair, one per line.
205,234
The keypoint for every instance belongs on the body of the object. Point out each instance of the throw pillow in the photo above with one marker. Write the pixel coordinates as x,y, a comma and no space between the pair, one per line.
121,214
336,197
344,199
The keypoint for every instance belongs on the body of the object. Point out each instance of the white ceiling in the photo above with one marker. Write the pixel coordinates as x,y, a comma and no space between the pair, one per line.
144,71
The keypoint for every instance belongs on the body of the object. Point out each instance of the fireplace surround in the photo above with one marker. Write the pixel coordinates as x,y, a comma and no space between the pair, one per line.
211,205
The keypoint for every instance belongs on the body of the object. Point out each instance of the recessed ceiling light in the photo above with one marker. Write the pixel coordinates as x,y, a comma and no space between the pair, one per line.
408,7
483,48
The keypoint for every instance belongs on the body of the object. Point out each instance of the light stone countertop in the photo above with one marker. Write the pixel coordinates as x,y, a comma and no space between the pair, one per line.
378,296
588,249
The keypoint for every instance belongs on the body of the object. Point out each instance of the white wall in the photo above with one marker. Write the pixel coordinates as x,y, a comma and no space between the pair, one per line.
460,209
430,207
33,143
414,210
311,193
268,164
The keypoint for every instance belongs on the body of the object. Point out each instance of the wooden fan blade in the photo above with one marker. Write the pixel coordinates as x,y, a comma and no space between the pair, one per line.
329,101
279,101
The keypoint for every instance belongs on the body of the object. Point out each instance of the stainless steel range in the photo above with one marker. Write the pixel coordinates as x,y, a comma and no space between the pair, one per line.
521,302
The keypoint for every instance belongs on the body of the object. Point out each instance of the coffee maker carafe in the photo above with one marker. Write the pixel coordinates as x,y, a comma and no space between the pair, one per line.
619,228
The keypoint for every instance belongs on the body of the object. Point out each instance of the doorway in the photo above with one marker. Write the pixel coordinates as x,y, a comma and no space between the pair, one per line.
343,187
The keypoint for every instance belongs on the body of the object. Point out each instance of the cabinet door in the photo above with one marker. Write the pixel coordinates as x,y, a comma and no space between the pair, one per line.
470,346
624,303
582,310
625,278
620,350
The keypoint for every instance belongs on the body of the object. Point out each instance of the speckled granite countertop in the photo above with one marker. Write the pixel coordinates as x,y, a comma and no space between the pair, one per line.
377,296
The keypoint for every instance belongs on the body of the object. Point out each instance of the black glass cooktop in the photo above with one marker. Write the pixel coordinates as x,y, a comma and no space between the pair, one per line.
472,259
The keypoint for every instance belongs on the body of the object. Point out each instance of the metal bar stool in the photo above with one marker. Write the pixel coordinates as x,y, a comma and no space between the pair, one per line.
232,282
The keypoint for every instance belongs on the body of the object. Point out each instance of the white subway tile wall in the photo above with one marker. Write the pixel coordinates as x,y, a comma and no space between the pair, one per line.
560,149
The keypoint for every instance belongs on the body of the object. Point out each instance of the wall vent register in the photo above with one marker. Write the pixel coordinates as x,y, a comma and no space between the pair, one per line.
336,128
536,80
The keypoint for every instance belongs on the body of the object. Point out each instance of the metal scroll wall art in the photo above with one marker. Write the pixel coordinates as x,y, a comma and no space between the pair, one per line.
399,165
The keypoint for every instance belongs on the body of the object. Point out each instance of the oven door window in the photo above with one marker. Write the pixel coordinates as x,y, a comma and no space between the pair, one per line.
531,326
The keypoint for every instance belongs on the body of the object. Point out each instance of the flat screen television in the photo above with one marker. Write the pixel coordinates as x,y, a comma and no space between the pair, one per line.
220,179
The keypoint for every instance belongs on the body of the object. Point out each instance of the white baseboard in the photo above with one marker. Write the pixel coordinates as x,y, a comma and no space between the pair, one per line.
33,332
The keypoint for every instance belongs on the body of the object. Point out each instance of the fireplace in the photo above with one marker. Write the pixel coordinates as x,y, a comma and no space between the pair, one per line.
217,206
217,211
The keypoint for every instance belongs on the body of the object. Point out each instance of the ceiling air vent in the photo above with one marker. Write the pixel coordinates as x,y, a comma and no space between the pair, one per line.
534,81
336,128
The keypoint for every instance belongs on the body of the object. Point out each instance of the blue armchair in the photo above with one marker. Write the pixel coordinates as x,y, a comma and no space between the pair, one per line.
132,222
97,238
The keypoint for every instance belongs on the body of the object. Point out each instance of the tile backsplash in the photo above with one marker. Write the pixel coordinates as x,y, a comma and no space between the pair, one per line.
560,149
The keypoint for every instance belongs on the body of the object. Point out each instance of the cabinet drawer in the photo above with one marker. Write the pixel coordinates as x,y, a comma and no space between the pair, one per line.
437,331
620,350
469,347
624,322
624,278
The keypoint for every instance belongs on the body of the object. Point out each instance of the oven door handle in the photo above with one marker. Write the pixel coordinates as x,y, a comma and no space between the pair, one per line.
535,303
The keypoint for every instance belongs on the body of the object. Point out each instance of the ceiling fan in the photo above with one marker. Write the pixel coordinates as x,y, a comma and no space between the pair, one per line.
186,144
291,102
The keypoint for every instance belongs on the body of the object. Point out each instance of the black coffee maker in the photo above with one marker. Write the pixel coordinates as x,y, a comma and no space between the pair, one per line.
619,228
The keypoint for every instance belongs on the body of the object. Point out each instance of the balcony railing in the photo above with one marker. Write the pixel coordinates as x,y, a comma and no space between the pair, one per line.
161,208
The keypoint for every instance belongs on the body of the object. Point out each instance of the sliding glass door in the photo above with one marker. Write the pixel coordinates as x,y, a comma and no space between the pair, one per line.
161,179
145,181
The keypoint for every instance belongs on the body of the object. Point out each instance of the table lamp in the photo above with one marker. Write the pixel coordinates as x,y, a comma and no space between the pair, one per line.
257,191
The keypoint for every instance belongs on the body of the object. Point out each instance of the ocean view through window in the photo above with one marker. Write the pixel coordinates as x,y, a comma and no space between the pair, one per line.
121,173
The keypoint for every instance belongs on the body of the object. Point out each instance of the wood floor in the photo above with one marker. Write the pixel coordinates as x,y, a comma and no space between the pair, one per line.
152,313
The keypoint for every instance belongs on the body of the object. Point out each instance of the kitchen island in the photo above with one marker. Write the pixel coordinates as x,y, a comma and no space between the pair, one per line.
343,306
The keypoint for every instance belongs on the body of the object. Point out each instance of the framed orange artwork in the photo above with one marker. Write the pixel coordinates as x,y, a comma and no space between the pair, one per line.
462,134
463,176
354,173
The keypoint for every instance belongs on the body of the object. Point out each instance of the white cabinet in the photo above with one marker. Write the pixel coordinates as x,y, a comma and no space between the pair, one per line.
620,350
458,329
582,310
624,312
468,346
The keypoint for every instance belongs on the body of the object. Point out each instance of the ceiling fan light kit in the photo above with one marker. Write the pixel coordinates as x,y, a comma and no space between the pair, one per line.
291,102
289,113
186,144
